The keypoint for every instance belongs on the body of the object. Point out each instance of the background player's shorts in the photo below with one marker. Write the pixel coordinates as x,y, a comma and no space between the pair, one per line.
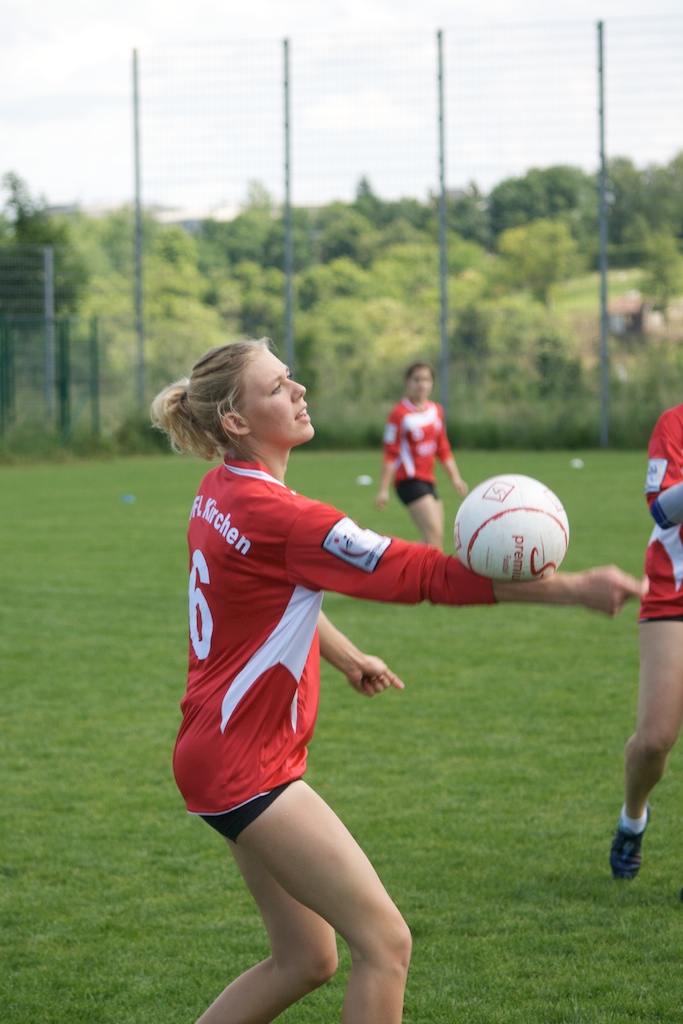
411,490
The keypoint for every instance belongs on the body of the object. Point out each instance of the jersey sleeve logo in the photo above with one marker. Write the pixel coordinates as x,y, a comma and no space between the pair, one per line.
362,548
656,470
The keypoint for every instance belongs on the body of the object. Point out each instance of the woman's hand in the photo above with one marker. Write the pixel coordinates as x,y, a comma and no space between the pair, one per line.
371,675
605,588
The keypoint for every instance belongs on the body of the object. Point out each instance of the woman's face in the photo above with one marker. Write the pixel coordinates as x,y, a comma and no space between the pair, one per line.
273,406
419,385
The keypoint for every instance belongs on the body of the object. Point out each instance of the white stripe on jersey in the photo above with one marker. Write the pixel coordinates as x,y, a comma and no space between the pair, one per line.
673,545
288,645
406,457
258,474
413,422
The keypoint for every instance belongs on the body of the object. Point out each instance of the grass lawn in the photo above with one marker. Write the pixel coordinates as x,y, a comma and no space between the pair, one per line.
485,794
582,294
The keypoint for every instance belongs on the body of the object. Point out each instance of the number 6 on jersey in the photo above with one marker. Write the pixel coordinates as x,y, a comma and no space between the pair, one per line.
201,620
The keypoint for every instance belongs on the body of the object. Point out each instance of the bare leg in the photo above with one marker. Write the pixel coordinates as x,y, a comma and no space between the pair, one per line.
660,711
428,514
303,954
310,878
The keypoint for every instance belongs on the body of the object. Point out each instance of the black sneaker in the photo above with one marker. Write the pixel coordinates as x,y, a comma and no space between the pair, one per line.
625,856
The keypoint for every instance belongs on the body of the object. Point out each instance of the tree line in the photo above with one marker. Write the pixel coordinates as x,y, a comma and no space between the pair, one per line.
366,276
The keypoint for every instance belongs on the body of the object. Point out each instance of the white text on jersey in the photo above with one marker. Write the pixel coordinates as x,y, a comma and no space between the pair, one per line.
220,521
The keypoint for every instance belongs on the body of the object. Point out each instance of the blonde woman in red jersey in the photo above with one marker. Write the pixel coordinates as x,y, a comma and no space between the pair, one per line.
261,557
414,437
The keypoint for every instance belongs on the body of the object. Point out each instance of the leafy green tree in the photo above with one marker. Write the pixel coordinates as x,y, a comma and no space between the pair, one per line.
559,373
663,201
642,202
469,216
179,323
30,222
106,243
632,247
539,256
28,228
627,223
402,231
664,271
343,231
466,255
353,346
408,273
256,235
513,329
370,205
177,249
261,300
550,193
245,238
325,281
382,213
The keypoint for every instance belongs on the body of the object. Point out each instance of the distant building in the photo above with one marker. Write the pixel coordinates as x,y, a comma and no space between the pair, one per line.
191,218
186,217
628,314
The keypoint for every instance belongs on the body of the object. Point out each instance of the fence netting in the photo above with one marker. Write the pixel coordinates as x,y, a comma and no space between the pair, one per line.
310,120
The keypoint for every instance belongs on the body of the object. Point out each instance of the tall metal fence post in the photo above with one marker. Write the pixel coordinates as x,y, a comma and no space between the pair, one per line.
49,315
139,290
4,374
63,377
602,214
10,375
443,243
94,343
289,248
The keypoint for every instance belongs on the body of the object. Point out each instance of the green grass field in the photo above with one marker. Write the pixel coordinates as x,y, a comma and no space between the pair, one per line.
486,793
579,294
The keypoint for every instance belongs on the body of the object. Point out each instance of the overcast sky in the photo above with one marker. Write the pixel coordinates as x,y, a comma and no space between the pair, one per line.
65,66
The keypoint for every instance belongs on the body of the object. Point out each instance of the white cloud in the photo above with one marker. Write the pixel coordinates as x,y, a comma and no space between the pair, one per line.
366,111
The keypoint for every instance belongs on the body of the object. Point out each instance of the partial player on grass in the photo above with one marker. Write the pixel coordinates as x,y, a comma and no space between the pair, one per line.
260,560
660,637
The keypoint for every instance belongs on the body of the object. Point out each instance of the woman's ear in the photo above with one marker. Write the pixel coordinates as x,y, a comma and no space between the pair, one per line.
234,424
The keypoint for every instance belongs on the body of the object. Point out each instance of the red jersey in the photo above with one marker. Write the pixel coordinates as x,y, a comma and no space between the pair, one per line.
261,557
664,554
413,438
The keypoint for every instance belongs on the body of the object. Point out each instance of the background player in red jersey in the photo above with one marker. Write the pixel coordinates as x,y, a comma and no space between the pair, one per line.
660,637
261,557
414,437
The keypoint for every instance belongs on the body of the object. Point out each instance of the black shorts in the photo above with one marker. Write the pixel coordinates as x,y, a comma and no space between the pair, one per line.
410,490
665,618
231,823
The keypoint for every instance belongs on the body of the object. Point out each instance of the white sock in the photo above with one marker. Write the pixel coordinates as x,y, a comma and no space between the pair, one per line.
634,825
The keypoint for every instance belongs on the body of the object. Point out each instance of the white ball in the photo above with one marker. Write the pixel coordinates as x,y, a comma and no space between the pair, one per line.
511,527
